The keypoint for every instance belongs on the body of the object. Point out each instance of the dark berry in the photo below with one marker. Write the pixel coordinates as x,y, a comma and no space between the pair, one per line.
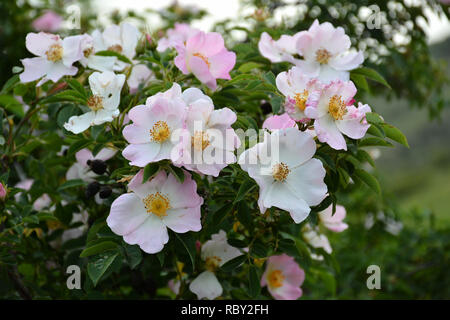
97,166
266,108
105,192
92,188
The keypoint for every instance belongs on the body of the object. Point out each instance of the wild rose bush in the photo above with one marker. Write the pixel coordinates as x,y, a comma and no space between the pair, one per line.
155,161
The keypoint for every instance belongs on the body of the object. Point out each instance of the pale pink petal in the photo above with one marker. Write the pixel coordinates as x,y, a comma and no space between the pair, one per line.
328,132
183,220
151,236
34,68
201,70
222,63
142,154
136,134
127,214
307,182
184,194
279,122
206,285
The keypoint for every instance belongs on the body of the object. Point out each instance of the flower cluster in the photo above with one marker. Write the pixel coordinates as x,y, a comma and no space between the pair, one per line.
176,138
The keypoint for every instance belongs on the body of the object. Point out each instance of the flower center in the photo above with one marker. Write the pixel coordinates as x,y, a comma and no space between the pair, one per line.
203,58
54,53
200,140
157,204
212,263
322,56
300,99
116,48
95,103
337,107
160,131
280,171
88,51
275,279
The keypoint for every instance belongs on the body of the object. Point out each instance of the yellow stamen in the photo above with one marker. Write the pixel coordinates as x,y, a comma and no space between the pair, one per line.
275,279
95,103
160,131
212,263
300,99
322,56
280,171
55,52
203,58
200,140
337,107
157,204
88,51
116,48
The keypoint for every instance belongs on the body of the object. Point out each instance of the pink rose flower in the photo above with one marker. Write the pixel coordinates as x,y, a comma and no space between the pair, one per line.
215,252
2,192
206,57
55,57
300,90
283,278
335,115
176,37
334,221
143,215
278,122
288,177
326,52
279,50
140,75
208,141
153,133
50,21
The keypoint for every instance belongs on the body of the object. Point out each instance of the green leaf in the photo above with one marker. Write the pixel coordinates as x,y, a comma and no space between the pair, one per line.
161,257
97,268
276,102
374,142
363,155
244,215
249,66
237,243
189,243
177,172
360,81
234,263
221,213
108,53
12,105
376,130
68,95
368,179
371,74
93,230
65,113
270,78
374,118
150,171
134,255
98,248
245,188
10,83
253,282
395,134
77,86
71,184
